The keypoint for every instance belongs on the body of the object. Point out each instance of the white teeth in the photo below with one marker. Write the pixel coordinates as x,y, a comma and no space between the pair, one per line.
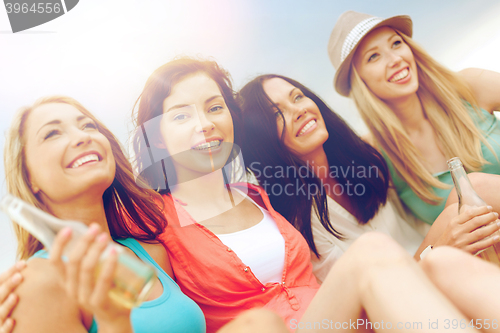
401,75
308,126
207,145
85,159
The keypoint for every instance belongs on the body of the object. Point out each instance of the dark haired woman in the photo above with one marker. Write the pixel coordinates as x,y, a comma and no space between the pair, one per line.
319,174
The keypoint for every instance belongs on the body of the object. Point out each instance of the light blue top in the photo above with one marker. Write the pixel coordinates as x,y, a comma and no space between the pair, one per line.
490,127
172,312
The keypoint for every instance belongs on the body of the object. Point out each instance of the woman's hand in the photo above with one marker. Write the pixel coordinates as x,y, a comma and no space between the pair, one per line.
9,280
89,287
469,230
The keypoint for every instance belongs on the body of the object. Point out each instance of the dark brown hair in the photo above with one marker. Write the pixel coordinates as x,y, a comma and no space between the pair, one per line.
343,149
150,105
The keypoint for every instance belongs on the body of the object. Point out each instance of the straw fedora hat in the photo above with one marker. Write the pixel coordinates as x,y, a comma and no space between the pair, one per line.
348,32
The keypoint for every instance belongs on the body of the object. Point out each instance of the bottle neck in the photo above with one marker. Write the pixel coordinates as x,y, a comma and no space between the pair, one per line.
465,192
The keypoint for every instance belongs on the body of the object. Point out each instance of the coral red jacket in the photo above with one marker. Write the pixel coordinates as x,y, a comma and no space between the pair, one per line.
213,276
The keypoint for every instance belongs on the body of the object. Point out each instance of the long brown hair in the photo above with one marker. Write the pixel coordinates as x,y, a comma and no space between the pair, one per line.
131,209
150,105
343,148
442,94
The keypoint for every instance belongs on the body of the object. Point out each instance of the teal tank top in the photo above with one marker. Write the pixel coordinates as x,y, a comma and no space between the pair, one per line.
490,127
172,312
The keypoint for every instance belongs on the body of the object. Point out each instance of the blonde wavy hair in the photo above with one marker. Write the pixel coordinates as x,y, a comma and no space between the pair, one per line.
442,94
131,207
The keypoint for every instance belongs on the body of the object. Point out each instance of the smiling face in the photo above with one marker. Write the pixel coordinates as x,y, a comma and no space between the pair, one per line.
196,126
305,130
66,156
386,64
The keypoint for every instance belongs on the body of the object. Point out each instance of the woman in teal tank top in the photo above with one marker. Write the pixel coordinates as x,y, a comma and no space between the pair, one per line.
60,158
168,310
490,128
420,115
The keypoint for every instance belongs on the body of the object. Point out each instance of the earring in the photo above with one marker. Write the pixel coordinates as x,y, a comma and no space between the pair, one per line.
34,189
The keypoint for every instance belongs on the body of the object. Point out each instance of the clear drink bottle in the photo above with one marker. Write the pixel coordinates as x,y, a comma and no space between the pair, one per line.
467,196
132,280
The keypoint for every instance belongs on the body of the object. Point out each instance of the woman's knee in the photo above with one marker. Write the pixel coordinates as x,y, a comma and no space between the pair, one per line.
370,259
373,250
445,264
444,261
379,245
484,184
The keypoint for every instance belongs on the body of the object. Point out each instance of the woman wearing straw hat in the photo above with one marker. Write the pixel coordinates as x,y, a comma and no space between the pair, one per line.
419,113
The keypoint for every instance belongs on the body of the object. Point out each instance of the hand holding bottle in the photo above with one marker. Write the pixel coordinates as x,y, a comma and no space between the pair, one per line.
90,280
467,197
470,230
9,280
133,278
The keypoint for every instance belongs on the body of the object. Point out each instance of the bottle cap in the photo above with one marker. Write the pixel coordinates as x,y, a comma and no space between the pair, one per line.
454,163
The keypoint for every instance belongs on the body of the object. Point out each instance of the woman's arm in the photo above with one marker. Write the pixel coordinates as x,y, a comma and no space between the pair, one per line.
54,295
43,303
83,284
468,231
329,252
485,86
368,138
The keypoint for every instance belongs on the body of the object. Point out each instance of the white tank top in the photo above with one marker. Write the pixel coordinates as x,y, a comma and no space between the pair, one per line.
261,247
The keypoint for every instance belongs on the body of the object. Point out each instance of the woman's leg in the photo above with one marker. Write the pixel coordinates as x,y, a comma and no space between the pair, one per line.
469,282
377,276
438,228
486,185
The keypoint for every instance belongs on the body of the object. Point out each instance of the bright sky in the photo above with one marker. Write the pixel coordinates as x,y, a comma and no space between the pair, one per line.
102,51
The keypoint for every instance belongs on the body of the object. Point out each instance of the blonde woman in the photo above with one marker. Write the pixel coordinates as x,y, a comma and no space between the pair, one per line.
419,113
60,158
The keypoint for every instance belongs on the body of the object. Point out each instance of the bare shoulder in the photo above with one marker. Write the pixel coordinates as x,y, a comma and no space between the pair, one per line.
159,254
368,138
471,73
485,86
43,303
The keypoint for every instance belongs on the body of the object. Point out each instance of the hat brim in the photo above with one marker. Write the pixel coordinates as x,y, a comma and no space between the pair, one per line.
341,80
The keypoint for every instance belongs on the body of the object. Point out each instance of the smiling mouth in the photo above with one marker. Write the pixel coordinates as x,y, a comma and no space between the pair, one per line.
84,160
400,75
208,145
306,127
